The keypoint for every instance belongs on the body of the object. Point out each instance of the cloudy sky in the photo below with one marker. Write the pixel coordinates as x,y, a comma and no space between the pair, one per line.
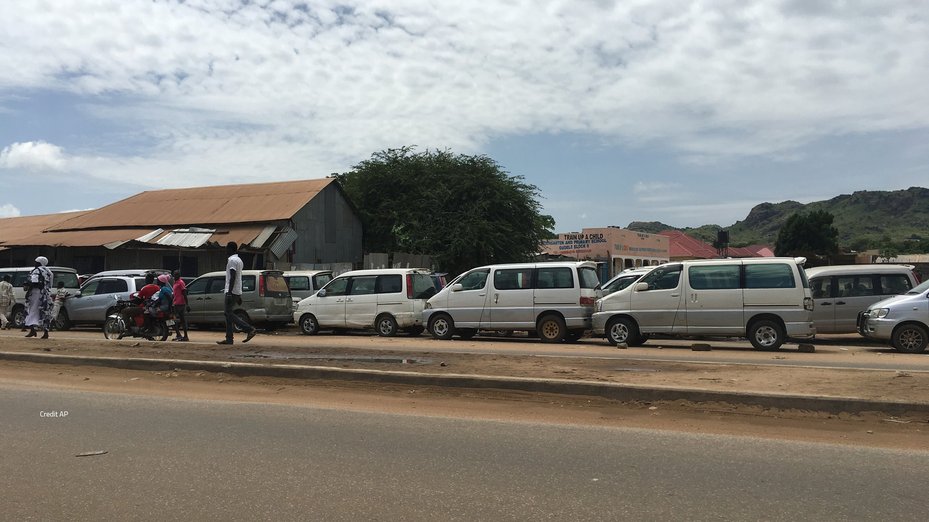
686,112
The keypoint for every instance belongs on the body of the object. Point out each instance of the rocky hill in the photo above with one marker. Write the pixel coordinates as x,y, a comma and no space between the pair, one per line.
863,219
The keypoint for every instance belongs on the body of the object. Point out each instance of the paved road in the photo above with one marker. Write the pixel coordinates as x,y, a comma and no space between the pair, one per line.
195,460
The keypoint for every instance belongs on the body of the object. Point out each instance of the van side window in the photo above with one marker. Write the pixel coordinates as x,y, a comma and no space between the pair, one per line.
197,287
714,277
663,278
822,287
337,286
555,277
320,281
298,282
423,287
363,285
475,280
248,283
513,278
855,286
769,275
69,279
388,284
588,277
892,284
217,283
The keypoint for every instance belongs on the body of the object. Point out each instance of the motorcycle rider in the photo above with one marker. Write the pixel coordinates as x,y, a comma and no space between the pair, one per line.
130,312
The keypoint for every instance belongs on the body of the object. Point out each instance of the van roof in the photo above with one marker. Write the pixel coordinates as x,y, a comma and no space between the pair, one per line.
591,264
879,268
386,271
244,272
29,268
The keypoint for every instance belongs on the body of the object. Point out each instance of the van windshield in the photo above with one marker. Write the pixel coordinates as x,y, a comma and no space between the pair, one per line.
919,289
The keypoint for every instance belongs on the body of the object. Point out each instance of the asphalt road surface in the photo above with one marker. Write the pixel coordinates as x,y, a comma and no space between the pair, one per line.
171,459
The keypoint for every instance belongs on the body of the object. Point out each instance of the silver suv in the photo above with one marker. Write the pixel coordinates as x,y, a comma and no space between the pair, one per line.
97,299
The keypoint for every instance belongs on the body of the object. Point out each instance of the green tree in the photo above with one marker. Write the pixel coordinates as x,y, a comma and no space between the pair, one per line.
465,211
811,235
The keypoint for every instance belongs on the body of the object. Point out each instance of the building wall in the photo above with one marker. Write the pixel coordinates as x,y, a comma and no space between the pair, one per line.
328,231
617,247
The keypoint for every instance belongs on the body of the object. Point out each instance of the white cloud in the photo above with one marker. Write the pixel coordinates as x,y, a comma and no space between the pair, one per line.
8,210
32,155
232,90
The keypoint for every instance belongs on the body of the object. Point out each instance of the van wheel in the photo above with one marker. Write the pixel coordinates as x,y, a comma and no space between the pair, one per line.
766,334
309,325
441,326
910,338
386,326
551,329
62,322
19,317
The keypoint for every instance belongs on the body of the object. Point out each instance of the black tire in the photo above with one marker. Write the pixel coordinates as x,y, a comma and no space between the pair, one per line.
159,331
766,335
62,322
386,325
112,327
18,317
308,324
551,328
910,338
441,326
415,331
622,330
466,333
573,336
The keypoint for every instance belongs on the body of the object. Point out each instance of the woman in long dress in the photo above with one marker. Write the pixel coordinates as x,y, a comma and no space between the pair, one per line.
39,298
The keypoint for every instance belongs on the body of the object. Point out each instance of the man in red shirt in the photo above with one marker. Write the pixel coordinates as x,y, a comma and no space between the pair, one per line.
130,312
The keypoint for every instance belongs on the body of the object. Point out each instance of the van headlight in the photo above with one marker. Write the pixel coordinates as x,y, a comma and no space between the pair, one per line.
879,312
598,306
428,305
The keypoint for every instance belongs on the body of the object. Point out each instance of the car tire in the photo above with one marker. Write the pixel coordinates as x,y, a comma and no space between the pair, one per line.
386,325
112,327
308,324
62,322
441,326
18,317
622,330
766,335
551,329
910,338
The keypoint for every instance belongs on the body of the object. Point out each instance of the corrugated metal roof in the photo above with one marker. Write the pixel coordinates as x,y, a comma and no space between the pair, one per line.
259,241
14,229
226,204
185,237
283,242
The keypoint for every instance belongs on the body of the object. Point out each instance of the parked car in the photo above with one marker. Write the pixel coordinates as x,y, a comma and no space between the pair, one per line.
304,283
554,300
764,299
265,299
624,279
841,292
18,277
129,272
388,300
97,299
902,320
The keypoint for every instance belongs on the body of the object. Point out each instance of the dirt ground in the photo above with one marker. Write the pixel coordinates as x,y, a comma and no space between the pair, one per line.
418,355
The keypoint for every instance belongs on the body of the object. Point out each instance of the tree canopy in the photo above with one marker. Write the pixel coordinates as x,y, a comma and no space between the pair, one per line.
464,211
811,235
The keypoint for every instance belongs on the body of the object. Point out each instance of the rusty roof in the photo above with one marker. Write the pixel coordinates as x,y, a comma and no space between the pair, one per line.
13,230
226,204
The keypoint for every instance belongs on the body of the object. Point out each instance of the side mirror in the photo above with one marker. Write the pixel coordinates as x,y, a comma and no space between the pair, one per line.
321,293
457,287
641,287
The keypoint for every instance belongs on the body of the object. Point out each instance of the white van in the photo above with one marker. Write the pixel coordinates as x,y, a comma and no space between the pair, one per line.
902,320
840,292
554,300
388,300
764,299
304,283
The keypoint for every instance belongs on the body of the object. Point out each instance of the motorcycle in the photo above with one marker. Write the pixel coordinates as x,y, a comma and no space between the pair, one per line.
152,324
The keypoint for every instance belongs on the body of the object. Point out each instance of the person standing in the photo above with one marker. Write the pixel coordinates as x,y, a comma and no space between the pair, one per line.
59,298
233,295
180,306
39,298
7,300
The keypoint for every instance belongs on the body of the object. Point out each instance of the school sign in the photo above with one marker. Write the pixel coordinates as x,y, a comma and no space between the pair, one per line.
620,247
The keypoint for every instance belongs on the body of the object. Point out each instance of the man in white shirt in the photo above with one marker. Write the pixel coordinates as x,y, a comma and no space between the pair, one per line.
233,295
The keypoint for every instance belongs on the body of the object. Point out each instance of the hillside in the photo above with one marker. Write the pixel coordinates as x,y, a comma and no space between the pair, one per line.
863,218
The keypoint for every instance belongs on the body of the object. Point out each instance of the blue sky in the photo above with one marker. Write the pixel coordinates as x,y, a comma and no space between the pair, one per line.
676,111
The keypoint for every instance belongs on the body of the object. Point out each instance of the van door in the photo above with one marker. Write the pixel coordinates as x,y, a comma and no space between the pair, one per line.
196,293
856,294
824,303
330,309
469,305
361,302
656,309
512,299
714,299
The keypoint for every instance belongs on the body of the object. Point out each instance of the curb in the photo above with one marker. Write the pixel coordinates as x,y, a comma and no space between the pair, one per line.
615,391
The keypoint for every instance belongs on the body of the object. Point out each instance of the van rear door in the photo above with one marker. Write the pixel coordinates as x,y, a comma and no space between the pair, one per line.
714,299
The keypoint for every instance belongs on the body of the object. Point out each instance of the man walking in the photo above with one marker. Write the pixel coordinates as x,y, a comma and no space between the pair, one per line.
7,300
233,292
